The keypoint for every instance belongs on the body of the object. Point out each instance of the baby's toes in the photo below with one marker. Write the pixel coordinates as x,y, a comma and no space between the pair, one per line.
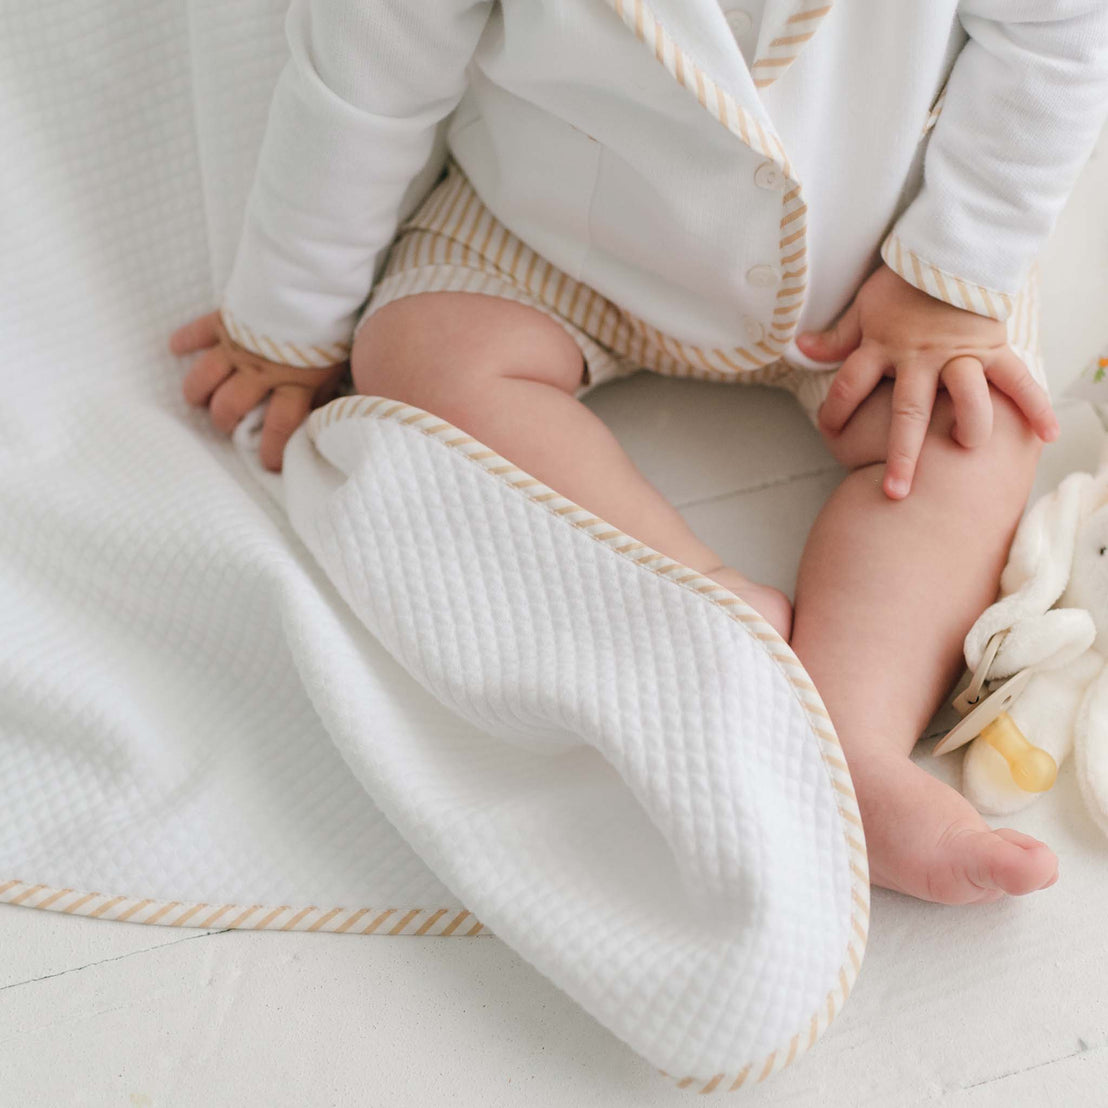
1007,860
1046,859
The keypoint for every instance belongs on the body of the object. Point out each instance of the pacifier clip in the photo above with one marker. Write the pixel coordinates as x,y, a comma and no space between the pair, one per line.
1033,769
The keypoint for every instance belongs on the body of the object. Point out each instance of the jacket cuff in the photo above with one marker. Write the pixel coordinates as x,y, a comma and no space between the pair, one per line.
942,284
275,349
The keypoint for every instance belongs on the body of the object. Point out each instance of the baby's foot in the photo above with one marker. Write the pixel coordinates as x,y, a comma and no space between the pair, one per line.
770,603
925,839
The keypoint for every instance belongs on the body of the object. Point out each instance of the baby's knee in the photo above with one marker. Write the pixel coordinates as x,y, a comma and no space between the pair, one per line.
1007,459
990,481
449,348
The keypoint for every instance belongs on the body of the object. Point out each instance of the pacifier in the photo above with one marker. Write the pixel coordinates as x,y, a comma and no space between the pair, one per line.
1032,769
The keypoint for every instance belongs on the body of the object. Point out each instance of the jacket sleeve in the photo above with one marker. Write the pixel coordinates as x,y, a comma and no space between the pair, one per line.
352,122
1022,109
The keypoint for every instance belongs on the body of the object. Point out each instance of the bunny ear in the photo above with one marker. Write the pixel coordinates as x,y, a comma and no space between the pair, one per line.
1039,562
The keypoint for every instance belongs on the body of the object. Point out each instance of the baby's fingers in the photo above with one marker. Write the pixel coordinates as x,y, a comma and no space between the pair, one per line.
288,407
1008,373
965,381
234,398
195,335
912,403
854,380
207,373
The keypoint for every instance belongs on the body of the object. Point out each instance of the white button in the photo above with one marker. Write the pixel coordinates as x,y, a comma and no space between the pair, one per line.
768,176
739,21
753,330
762,276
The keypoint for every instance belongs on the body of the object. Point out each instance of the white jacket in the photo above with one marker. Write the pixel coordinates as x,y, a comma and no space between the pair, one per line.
630,142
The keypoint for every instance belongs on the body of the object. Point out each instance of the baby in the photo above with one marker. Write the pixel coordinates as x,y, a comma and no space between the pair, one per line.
486,209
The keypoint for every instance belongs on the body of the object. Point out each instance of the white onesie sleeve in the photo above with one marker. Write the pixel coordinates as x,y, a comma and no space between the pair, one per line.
351,124
1025,102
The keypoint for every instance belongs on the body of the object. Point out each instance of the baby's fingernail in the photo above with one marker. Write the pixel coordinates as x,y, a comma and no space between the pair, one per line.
898,487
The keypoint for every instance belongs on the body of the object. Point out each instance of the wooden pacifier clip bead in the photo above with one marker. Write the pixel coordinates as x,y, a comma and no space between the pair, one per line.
276,373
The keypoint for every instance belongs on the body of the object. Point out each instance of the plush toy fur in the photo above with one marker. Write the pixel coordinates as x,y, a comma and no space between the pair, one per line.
1054,604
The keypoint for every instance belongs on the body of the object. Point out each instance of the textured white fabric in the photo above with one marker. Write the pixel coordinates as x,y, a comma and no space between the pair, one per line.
160,627
646,813
1053,611
180,685
583,145
190,712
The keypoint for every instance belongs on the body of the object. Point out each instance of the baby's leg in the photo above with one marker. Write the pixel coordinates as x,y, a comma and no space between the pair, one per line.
506,373
886,592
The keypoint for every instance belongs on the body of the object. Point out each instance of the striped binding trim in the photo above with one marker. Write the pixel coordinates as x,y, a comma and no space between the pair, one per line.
760,137
255,917
287,353
942,285
936,110
785,47
376,407
1023,324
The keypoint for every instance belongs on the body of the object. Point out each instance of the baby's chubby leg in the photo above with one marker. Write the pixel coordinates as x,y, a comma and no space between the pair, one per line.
506,373
886,592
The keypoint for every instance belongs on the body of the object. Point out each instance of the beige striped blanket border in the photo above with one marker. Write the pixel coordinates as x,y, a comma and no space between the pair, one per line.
459,921
253,917
423,422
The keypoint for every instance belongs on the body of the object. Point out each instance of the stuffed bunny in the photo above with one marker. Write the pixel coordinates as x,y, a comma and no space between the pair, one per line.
1054,605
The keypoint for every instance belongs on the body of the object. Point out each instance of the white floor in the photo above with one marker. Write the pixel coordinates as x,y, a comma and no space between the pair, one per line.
1001,1005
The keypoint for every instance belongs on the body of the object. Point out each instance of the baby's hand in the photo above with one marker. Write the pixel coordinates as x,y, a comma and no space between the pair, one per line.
231,380
892,329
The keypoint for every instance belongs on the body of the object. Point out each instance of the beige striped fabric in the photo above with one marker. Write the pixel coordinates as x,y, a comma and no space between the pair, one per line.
1019,313
243,917
936,110
301,355
453,243
944,286
785,46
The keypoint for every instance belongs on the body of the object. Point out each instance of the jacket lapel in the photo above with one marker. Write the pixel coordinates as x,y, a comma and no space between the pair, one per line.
732,99
750,123
786,28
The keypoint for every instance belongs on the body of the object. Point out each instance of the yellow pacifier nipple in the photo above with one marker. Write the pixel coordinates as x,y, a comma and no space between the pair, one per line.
1033,770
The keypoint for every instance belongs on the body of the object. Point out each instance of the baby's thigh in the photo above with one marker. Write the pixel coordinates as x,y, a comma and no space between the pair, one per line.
1009,456
439,349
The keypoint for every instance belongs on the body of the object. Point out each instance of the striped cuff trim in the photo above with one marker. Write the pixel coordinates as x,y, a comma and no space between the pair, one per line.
945,286
302,354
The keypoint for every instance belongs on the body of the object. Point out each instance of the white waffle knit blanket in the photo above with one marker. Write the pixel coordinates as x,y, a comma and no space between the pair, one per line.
653,807
197,726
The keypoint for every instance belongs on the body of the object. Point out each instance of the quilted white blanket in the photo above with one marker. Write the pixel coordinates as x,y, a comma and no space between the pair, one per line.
652,806
202,719
623,771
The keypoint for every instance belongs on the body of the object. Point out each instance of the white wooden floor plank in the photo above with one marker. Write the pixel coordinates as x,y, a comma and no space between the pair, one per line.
40,944
695,441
